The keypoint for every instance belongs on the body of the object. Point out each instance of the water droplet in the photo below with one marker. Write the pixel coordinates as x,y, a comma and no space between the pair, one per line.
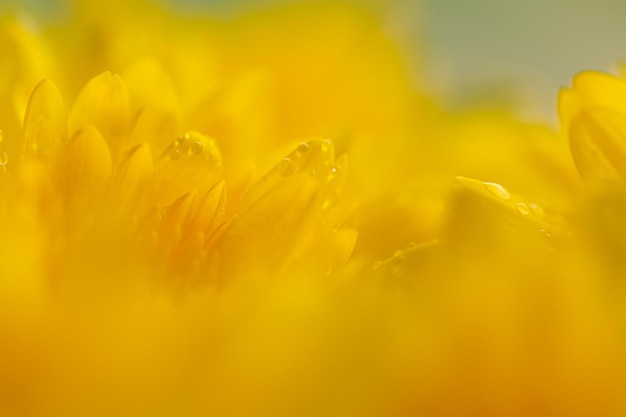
174,154
397,267
4,158
522,209
196,148
334,169
178,142
497,190
286,167
325,145
303,147
545,233
537,210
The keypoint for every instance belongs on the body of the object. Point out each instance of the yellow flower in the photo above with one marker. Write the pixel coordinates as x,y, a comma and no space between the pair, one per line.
167,241
259,216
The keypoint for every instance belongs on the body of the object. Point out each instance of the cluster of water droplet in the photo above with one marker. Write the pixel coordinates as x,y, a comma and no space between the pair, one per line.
185,144
523,208
317,156
531,211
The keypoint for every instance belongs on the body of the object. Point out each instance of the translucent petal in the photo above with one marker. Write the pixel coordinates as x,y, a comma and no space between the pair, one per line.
84,166
591,89
285,213
518,210
184,229
598,144
133,177
45,125
173,216
208,211
192,162
104,102
314,157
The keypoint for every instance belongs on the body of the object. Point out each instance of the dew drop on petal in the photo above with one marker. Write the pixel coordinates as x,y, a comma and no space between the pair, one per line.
497,190
286,167
303,147
196,148
537,210
174,154
546,233
397,267
522,209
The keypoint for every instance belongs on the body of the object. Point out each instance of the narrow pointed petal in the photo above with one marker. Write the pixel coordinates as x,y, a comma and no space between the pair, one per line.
191,163
45,125
591,89
209,210
513,207
287,212
134,176
84,165
170,230
598,144
104,102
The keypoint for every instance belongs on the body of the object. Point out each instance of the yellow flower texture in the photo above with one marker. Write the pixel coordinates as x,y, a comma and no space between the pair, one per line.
259,216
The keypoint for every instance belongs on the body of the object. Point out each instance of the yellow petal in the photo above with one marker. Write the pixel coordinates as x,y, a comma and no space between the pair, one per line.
84,164
45,122
209,210
519,211
286,213
191,163
598,144
193,215
591,89
104,102
134,176
315,157
170,230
